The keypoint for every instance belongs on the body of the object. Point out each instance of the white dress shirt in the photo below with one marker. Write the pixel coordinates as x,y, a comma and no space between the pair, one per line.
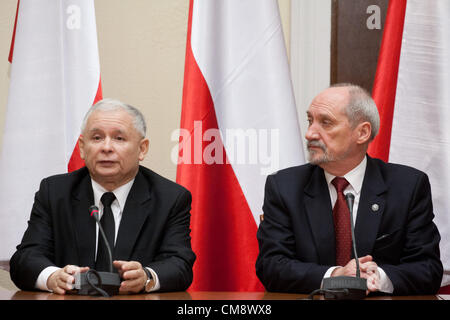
355,177
117,207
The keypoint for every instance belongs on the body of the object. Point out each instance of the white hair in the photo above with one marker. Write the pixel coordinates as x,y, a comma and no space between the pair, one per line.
361,107
112,104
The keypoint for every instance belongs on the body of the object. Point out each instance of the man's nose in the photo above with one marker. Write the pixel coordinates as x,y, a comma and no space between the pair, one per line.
312,133
107,145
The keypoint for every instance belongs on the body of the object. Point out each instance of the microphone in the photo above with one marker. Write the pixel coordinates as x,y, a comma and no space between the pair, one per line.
93,210
343,287
350,199
106,284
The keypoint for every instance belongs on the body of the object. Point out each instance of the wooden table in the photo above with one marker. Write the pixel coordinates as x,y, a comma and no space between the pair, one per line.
213,305
198,295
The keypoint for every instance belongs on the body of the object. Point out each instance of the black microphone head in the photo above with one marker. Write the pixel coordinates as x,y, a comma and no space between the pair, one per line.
350,196
350,199
93,211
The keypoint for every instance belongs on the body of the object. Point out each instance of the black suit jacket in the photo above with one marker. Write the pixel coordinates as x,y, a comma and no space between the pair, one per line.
154,229
297,240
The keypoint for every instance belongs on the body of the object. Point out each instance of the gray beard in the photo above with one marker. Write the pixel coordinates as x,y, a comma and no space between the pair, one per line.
322,159
326,156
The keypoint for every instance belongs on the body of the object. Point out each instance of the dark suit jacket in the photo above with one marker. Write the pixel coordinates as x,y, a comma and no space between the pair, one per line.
154,229
297,240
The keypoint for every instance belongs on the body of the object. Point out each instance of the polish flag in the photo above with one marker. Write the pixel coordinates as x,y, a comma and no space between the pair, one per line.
54,80
238,124
412,93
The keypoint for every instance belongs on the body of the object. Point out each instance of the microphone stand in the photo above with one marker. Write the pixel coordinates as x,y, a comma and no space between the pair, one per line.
94,282
344,287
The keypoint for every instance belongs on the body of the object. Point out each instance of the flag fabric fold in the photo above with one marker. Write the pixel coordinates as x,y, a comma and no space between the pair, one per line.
238,124
411,90
54,79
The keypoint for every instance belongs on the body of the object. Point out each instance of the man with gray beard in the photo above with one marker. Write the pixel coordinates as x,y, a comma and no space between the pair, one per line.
305,235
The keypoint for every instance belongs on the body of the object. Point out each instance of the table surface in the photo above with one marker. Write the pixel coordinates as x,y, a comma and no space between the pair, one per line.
197,295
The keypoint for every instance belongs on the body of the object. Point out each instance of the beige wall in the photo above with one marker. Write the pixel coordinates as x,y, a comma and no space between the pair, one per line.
142,46
7,15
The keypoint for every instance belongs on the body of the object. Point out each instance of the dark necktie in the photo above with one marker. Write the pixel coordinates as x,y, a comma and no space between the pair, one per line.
107,221
341,218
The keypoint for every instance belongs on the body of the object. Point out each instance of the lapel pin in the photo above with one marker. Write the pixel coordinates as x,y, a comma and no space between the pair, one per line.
375,207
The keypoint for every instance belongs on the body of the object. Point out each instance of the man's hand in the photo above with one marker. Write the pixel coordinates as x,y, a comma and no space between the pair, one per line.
61,280
349,269
133,275
368,268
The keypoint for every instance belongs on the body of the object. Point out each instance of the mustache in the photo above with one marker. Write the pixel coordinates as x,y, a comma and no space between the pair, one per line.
316,143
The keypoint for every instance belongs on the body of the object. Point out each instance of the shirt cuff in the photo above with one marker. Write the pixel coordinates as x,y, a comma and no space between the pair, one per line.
155,277
386,285
41,282
328,275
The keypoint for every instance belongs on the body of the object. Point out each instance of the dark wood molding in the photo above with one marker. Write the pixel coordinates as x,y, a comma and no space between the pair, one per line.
355,47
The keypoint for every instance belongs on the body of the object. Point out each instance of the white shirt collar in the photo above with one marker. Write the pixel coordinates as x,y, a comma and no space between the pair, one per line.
121,193
355,177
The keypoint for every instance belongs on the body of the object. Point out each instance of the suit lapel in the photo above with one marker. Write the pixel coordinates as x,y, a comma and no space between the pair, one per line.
83,198
319,211
136,211
371,208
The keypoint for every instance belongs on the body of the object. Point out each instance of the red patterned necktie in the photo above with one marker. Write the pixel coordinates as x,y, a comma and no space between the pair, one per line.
341,217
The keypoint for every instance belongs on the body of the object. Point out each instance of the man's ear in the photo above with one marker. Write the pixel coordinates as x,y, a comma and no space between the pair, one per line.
143,148
364,131
81,146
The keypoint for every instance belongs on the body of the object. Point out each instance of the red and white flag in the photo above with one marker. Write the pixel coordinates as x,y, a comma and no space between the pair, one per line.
55,79
238,124
412,92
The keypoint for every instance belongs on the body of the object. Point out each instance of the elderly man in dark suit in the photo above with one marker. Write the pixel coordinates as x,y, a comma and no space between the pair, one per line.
305,235
145,216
